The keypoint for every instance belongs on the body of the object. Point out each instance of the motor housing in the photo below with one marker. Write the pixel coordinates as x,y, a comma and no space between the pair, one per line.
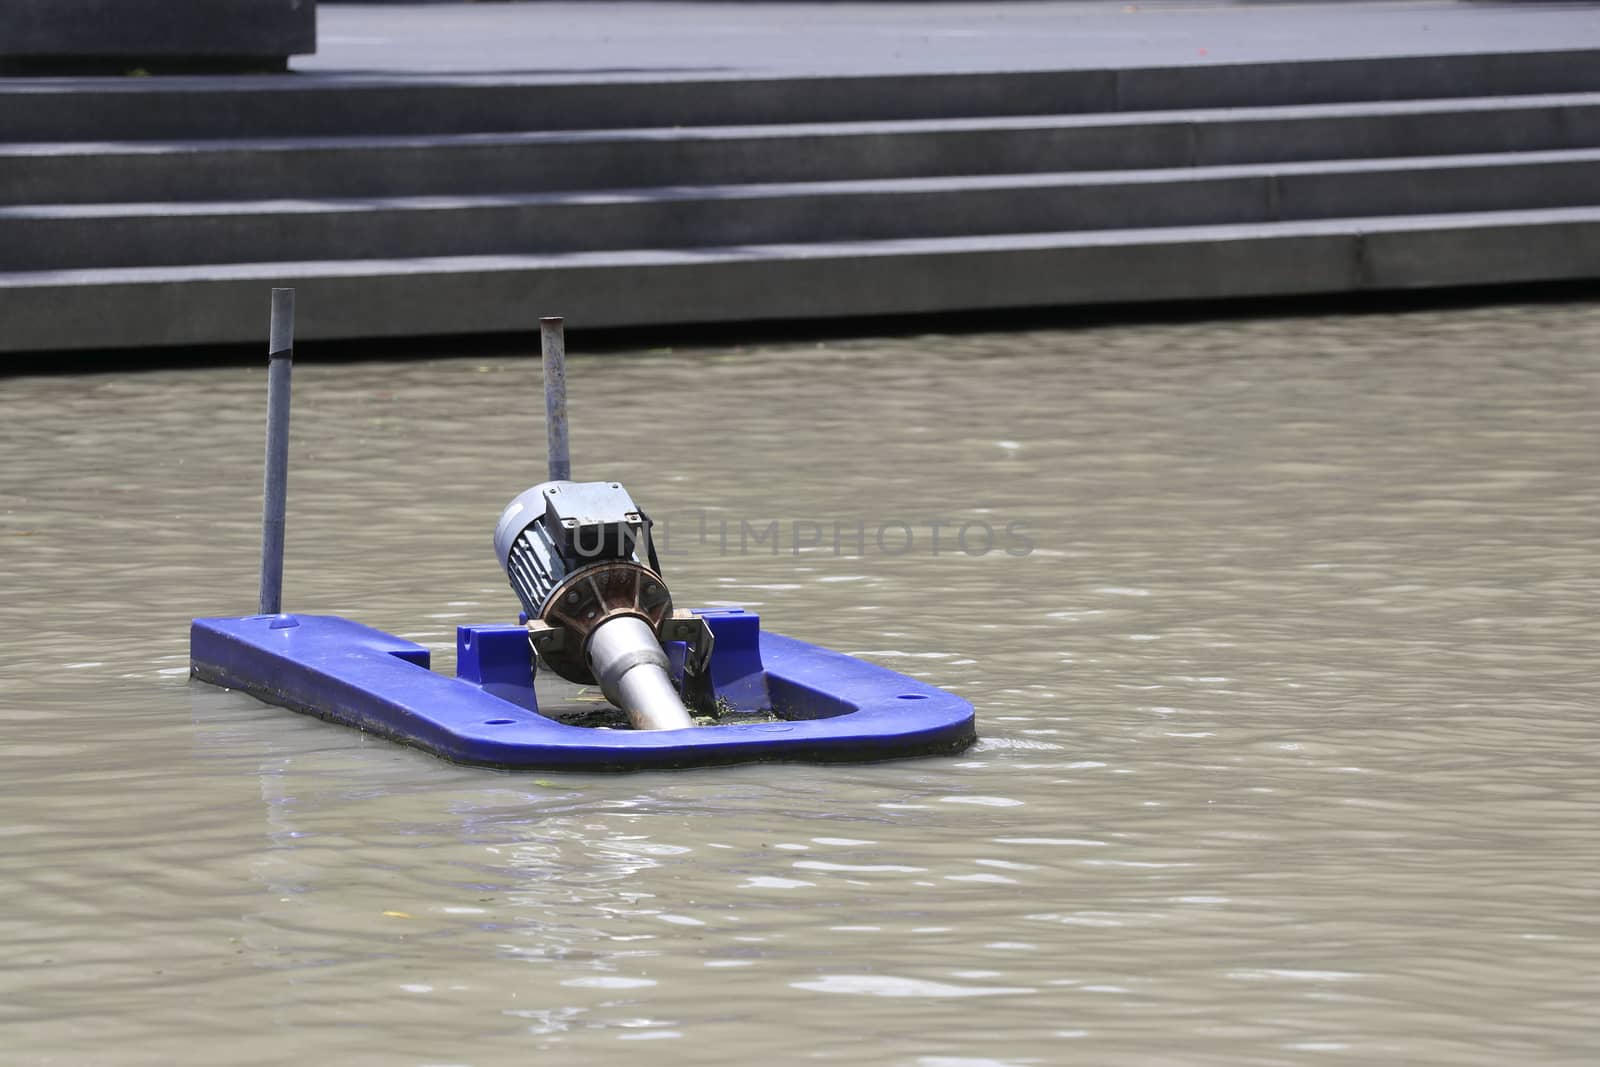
578,556
552,531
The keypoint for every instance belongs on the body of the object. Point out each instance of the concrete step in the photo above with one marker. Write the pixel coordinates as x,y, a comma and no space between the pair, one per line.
261,169
58,237
335,105
190,305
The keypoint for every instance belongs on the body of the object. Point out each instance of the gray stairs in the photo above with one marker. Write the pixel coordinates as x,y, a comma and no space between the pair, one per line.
138,214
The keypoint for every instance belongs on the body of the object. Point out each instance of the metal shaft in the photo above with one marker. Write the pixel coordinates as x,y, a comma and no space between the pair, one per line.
625,656
274,495
553,345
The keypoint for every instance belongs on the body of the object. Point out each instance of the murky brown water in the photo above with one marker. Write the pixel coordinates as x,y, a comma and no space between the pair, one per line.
1291,722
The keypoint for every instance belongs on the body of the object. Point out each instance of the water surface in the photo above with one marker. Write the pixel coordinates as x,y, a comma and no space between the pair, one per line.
1289,716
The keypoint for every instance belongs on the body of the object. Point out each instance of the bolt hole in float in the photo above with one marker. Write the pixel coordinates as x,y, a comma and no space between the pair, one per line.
684,688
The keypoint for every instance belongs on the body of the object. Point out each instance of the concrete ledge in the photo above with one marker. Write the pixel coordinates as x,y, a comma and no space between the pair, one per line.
542,162
138,212
322,105
385,298
42,36
65,237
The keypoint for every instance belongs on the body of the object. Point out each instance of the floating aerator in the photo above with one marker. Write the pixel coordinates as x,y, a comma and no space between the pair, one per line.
596,611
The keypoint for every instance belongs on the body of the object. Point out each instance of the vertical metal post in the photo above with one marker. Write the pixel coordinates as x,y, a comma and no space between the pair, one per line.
553,345
274,496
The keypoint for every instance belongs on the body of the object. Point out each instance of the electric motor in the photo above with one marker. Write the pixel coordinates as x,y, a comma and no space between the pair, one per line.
578,556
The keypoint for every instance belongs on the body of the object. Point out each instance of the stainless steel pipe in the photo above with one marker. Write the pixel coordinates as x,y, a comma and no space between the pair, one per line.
632,670
553,348
275,489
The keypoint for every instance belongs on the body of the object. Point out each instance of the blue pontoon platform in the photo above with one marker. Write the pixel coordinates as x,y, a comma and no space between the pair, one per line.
776,698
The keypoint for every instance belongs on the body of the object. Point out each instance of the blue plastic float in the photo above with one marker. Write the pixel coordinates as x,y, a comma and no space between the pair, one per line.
597,613
831,707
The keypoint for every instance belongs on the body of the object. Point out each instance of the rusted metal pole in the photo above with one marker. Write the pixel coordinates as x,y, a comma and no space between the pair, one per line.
553,345
275,487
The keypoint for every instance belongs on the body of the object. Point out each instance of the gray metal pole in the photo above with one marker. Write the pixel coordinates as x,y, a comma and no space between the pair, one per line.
553,344
274,496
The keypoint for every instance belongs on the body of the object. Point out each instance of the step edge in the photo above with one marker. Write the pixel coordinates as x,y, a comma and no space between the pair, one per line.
665,258
100,149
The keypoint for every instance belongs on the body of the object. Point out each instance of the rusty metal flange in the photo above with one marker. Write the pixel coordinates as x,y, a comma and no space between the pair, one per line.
587,598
